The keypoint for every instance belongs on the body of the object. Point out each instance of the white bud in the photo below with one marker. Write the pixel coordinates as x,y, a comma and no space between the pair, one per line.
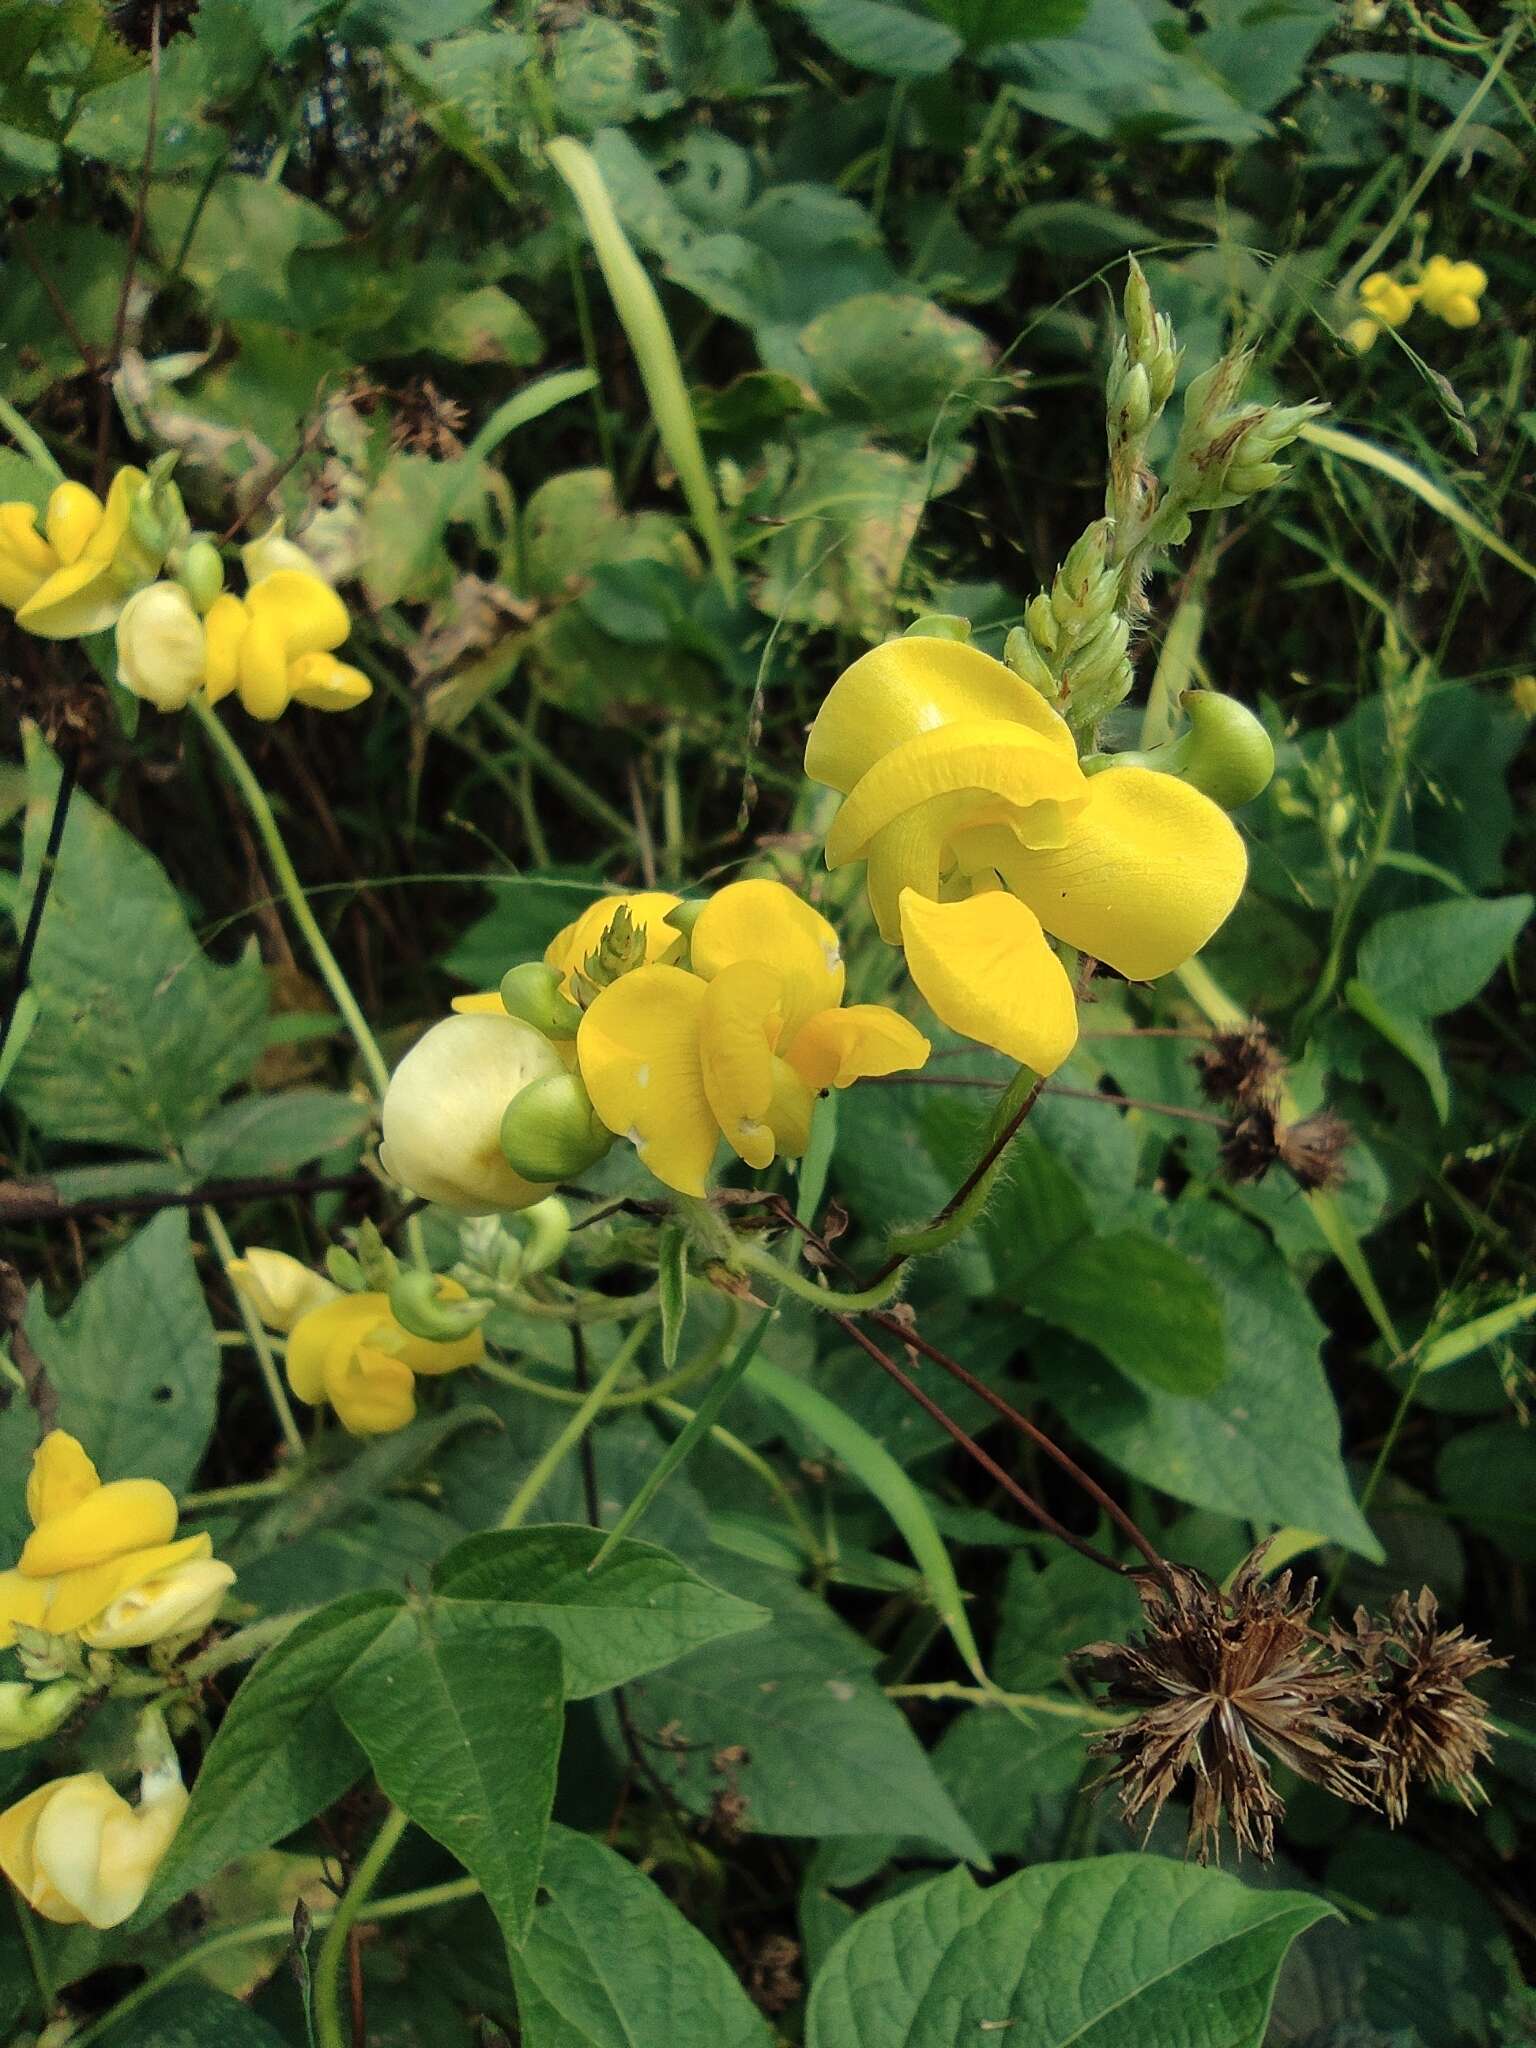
443,1110
161,647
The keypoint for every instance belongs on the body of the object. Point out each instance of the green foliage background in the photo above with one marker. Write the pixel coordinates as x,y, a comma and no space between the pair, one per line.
887,236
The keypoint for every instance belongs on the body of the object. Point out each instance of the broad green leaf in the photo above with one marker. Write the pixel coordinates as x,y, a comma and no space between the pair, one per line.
460,1708
898,363
827,1752
192,2016
981,23
892,41
1053,1609
1487,1475
273,1134
134,1358
640,1609
138,1033
1265,1446
1408,1034
1435,958
281,1754
1120,1952
609,1955
1148,1308
1011,1779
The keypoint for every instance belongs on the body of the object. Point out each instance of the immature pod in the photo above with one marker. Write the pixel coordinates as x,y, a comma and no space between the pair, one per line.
551,1132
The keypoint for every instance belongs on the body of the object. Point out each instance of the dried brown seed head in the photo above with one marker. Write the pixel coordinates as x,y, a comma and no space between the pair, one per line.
1240,1066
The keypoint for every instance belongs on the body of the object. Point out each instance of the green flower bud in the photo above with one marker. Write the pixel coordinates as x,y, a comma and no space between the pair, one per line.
1041,621
1225,752
1149,338
532,992
345,1270
1130,402
419,1303
549,1232
31,1713
379,1264
939,626
201,572
551,1132
1025,659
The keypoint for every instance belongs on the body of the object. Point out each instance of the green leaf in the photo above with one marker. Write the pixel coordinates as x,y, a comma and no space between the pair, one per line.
900,363
1150,1310
138,1033
981,23
891,41
1407,1034
191,2016
274,1134
827,1752
608,1952
1426,961
640,1609
1120,1952
1265,1446
134,1358
460,1709
281,1754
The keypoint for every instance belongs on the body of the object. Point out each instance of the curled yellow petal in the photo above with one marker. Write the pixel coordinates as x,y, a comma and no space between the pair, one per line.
1150,869
263,667
82,597
372,1392
1003,763
326,684
987,972
765,921
62,1476
638,1050
336,1327
26,559
856,1044
73,517
81,1853
309,615
127,1515
912,686
223,635
569,948
911,852
740,1022
79,1596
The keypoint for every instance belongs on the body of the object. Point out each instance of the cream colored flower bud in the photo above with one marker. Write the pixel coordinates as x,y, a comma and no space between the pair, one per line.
279,1288
273,550
79,1853
178,1602
443,1110
161,649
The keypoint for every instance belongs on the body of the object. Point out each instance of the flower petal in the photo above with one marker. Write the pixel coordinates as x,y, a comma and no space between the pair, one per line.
843,1046
263,667
910,686
766,922
987,972
71,521
372,1391
638,1049
326,684
127,1515
18,1850
740,1022
223,633
337,1327
82,597
1150,869
999,761
26,559
62,1476
569,948
312,618
78,1597
23,1601
911,853
486,1004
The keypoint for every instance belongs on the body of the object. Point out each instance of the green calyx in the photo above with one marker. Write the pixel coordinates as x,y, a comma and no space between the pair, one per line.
1224,752
551,1132
531,992
417,1303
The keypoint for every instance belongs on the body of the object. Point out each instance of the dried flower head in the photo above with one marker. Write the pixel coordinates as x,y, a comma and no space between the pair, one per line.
1240,1066
1218,1676
1311,1150
1419,1709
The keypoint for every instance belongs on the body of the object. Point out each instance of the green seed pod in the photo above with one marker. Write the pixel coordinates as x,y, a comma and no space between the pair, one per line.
200,572
31,1713
550,1131
532,992
1225,753
549,1232
418,1303
939,626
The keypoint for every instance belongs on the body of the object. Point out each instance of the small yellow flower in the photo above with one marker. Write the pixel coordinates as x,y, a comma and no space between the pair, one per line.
1388,302
90,1544
275,647
80,1854
1362,335
1451,290
352,1353
739,1048
981,834
162,650
72,577
441,1119
178,1602
1522,695
279,1288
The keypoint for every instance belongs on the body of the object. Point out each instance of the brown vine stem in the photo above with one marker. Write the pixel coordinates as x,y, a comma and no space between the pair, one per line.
33,1202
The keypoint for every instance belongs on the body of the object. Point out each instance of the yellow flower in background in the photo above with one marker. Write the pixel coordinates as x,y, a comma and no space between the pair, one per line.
740,1047
1388,302
981,834
79,1854
1522,695
280,1288
1451,290
73,576
90,1544
352,1353
275,647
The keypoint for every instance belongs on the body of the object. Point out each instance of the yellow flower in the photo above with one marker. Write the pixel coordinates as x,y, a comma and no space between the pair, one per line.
568,950
275,646
1451,290
1388,302
79,1853
73,577
1362,335
352,1353
1522,695
279,1288
90,1544
740,1047
441,1119
981,834
178,1602
161,647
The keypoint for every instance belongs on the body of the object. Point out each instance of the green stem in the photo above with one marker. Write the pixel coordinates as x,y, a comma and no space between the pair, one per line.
632,1397
246,1644
213,1498
276,1392
546,1467
756,1260
328,1965
1025,1702
759,1466
36,1955
29,440
571,786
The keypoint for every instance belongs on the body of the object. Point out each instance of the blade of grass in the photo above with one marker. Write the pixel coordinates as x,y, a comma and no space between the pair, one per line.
1386,464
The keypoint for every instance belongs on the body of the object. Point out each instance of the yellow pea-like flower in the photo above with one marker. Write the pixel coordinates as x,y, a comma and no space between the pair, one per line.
162,653
79,1854
1451,290
178,1602
352,1353
441,1119
91,1544
740,1047
981,835
276,646
1388,302
75,576
280,1288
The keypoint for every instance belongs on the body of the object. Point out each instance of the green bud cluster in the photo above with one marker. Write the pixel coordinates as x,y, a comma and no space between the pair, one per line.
620,950
1227,450
1073,644
1142,371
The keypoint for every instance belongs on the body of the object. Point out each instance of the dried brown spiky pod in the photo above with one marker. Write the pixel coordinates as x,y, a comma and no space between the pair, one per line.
1240,1066
1311,1150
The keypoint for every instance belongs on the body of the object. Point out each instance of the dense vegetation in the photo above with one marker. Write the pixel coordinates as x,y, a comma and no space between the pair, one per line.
630,370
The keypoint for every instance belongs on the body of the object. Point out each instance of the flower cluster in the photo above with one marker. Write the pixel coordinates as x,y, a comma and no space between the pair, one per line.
981,832
672,1025
135,563
1449,289
103,1564
349,1349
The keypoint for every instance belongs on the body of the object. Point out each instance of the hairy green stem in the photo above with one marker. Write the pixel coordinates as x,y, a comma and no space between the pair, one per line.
581,1421
876,1295
333,1949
